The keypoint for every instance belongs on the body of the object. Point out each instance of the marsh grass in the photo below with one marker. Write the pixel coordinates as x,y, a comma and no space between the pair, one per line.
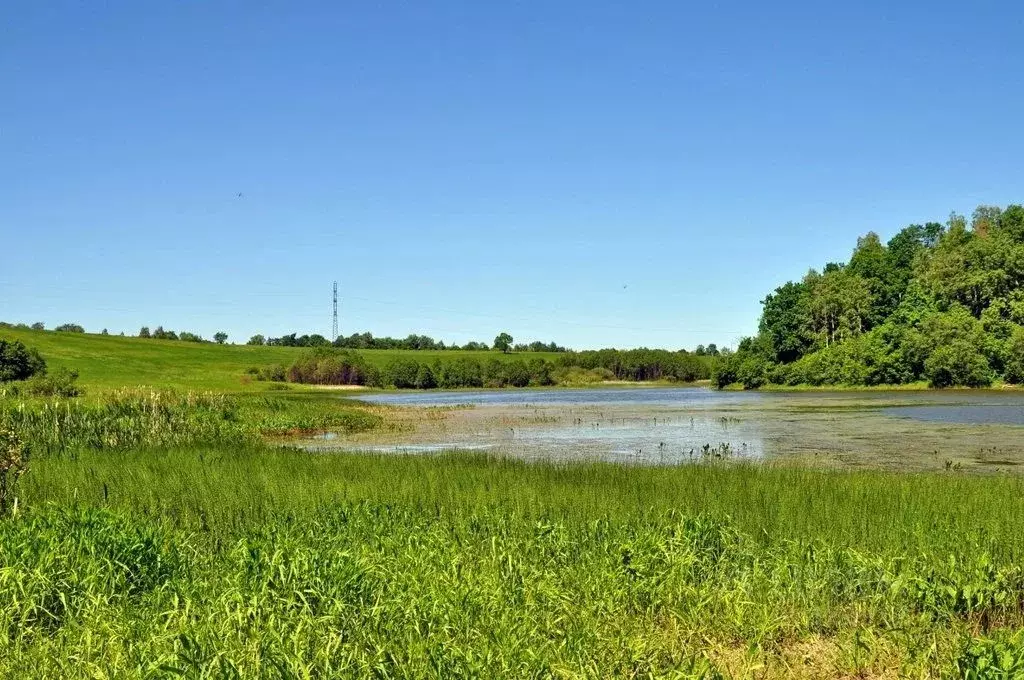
129,419
215,562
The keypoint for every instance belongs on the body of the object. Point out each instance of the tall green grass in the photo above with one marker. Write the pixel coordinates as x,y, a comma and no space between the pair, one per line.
129,419
212,562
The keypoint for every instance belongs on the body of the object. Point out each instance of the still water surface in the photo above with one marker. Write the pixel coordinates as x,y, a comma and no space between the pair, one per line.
957,406
672,425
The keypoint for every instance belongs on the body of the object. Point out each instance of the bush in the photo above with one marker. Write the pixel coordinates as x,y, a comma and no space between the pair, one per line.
425,379
642,364
540,372
1015,362
18,362
840,364
328,366
462,372
161,334
517,374
580,376
69,328
957,364
59,383
724,372
753,372
272,373
401,373
494,374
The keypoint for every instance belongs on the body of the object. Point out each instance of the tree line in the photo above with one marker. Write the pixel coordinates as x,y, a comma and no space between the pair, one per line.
333,366
937,302
159,333
40,326
643,364
503,342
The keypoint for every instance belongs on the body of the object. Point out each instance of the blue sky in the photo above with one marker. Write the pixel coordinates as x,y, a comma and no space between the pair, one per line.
599,174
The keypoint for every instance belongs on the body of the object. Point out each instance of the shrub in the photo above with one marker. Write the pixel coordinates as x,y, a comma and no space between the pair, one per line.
59,383
401,373
1015,362
425,379
18,362
462,372
580,376
328,366
517,374
161,334
494,374
272,373
540,372
69,328
724,372
753,372
957,364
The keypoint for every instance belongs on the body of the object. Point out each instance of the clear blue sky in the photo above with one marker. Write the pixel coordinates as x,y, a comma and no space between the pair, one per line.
599,174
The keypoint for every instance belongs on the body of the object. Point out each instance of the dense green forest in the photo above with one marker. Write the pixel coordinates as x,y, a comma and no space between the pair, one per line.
942,303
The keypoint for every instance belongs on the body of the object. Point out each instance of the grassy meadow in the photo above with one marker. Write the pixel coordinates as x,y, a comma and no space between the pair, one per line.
160,534
107,362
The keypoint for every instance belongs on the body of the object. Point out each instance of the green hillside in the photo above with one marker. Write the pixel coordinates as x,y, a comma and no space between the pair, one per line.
110,361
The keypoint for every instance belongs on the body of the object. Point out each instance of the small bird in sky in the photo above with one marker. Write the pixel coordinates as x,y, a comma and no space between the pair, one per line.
239,194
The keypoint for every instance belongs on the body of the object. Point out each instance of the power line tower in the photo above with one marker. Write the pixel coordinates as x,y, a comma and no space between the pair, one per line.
334,328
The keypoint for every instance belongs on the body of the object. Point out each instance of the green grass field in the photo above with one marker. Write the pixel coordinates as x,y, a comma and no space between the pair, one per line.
160,534
205,562
108,361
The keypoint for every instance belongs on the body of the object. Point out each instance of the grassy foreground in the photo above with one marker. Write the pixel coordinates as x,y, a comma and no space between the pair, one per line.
212,562
110,362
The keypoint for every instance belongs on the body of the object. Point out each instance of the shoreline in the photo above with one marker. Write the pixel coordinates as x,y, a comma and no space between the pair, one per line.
916,387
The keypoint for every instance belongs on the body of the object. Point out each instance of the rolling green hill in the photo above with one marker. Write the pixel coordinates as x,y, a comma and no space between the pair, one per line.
110,361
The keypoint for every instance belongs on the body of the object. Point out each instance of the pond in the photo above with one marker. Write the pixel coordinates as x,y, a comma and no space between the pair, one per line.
666,425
